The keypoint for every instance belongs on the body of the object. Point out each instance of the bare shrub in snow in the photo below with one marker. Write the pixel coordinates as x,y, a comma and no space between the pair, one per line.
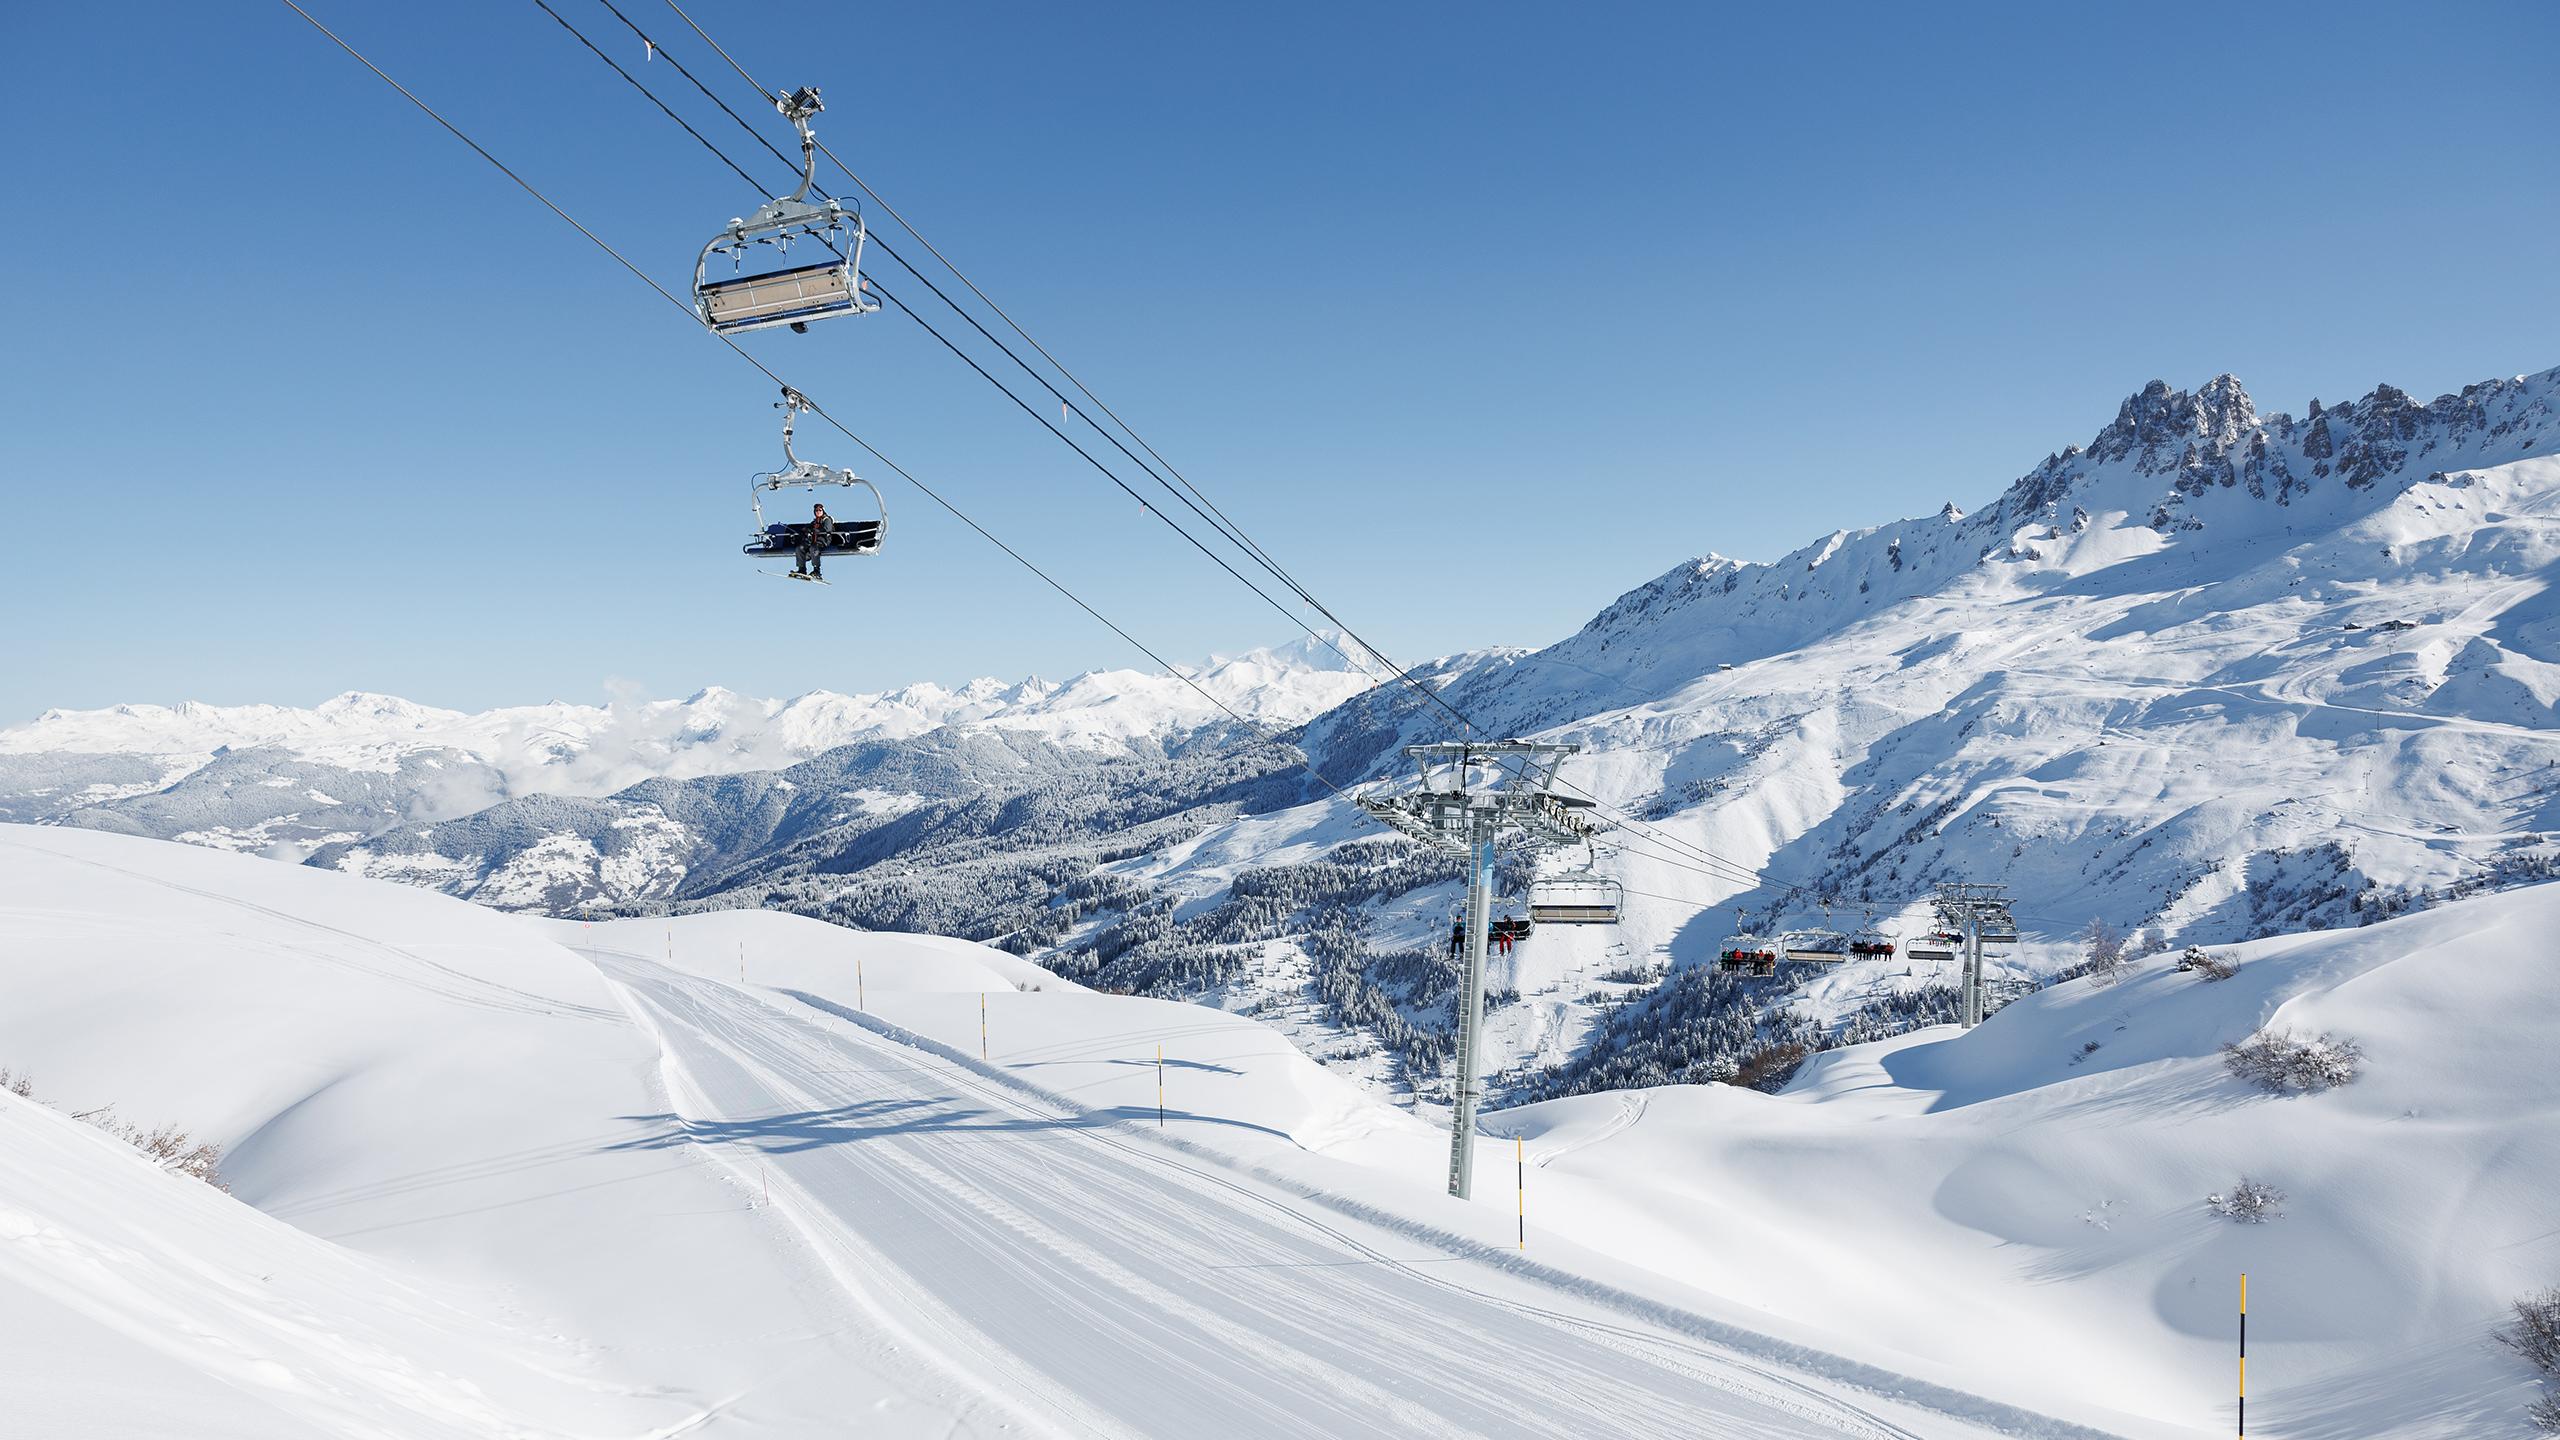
2203,962
2535,1332
167,1146
2284,1063
2252,1202
2535,1335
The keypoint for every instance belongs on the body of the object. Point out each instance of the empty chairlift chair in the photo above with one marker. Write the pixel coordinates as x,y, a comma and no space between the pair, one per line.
793,295
1583,899
1826,947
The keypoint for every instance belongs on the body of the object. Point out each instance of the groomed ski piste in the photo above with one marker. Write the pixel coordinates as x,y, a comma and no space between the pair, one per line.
745,1174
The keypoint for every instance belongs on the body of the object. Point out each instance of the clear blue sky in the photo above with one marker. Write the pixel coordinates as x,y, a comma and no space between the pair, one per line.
299,396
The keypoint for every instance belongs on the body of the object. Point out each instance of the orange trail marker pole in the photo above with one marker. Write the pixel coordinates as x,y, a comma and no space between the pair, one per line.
2244,1352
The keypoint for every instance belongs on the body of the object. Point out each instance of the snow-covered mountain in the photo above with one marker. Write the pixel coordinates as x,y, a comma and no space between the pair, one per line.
255,777
2220,673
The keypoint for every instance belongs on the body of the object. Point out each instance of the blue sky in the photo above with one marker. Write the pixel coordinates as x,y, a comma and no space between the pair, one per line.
1476,316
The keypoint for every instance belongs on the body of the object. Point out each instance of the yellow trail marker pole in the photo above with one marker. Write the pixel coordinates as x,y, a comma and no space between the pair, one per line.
1520,1167
1159,1087
2244,1352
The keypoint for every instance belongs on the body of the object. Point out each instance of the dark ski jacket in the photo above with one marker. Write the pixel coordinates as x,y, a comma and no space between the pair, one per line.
822,530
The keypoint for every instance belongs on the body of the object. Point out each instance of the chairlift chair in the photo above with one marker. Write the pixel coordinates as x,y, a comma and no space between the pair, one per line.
1578,899
797,294
1870,942
1822,946
781,539
1744,952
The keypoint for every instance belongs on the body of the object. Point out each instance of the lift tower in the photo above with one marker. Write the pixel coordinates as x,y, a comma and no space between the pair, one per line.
1977,915
1470,795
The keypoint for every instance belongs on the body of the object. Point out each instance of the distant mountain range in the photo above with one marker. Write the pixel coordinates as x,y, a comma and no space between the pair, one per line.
2218,673
282,780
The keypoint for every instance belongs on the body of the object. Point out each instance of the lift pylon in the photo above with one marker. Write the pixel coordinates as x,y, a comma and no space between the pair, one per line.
1468,796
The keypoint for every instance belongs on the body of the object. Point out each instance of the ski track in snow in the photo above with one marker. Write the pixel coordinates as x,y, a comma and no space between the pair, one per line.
1124,1292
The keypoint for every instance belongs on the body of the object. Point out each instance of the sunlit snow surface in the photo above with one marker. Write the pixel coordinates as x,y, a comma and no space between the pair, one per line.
743,1174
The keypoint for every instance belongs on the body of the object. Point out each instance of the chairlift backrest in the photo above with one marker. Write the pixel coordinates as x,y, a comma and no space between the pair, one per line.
1575,900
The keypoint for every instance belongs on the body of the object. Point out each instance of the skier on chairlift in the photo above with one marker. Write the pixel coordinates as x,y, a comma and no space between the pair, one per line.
812,558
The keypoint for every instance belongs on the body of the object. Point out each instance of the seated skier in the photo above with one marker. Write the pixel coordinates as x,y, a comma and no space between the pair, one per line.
814,540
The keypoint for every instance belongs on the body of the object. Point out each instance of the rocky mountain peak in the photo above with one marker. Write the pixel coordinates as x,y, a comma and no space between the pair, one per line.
2158,426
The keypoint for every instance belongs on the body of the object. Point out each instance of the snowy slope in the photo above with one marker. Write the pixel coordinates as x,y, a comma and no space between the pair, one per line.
2035,1190
540,1181
135,1303
463,1109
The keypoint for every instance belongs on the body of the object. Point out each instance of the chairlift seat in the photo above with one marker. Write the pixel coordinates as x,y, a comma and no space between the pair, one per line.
778,297
782,541
1574,914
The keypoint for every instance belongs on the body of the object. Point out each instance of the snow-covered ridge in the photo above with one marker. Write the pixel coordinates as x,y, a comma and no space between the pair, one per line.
598,748
281,779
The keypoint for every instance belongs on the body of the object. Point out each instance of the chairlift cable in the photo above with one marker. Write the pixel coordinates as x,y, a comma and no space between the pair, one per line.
1195,500
1744,873
966,358
1234,533
815,408
1051,426
635,84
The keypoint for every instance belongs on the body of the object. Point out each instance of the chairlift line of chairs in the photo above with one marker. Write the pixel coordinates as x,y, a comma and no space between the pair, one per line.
794,295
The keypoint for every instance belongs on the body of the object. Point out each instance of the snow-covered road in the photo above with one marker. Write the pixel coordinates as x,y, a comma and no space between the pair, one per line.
1105,1285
